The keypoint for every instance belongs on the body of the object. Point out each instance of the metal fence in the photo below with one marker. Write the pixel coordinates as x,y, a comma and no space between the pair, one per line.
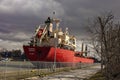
16,70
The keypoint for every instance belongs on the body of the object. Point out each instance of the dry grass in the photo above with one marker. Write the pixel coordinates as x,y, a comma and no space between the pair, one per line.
97,76
17,75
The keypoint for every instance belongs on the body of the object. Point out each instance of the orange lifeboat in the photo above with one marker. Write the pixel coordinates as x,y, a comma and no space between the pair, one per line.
39,34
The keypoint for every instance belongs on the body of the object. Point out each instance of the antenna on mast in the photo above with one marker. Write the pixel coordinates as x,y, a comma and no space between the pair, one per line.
54,12
53,15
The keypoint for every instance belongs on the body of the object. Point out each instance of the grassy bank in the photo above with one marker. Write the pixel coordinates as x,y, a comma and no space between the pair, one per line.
97,76
18,75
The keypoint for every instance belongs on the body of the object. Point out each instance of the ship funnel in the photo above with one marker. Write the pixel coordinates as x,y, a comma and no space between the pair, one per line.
86,50
82,47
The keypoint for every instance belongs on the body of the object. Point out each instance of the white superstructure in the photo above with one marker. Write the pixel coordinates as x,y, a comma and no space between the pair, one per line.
47,36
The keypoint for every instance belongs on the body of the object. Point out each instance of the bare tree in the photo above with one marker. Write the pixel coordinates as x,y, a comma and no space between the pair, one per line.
106,42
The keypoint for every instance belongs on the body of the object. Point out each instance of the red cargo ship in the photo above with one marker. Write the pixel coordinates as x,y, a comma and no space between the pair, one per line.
53,45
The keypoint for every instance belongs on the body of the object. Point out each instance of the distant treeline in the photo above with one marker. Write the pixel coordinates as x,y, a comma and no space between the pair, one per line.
14,55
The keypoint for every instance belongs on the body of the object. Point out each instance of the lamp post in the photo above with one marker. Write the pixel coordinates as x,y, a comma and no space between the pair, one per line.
54,65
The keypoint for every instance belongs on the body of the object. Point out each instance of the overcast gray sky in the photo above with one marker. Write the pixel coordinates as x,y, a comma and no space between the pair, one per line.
18,18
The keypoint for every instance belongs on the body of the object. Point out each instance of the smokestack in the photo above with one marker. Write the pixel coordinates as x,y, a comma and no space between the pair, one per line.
86,50
82,47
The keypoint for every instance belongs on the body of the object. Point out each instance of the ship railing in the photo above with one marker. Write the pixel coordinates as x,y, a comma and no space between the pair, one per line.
16,70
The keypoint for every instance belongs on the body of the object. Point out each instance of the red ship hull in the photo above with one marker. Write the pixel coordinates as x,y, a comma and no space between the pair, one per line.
51,54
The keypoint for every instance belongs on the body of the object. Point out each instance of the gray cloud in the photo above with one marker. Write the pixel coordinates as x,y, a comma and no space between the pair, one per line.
26,13
18,18
11,44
